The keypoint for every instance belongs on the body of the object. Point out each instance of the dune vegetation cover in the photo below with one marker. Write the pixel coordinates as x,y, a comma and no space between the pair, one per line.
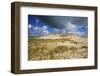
57,37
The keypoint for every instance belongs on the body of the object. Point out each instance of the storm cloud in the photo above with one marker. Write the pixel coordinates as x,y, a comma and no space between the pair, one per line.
61,21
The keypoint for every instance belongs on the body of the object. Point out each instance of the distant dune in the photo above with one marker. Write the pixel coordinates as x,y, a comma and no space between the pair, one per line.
58,36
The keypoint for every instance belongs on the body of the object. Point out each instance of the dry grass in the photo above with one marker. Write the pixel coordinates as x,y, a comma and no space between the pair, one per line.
64,48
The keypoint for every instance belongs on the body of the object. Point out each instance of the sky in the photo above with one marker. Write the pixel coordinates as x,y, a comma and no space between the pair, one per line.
39,25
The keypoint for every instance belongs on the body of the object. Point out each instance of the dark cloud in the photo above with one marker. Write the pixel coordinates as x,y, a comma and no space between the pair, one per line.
60,22
79,21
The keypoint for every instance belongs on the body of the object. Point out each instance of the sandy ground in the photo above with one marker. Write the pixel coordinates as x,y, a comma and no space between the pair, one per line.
57,47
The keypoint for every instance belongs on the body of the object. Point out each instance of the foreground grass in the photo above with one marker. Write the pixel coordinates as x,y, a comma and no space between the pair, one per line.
47,49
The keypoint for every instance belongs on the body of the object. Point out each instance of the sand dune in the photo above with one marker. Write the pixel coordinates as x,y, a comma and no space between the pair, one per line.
57,46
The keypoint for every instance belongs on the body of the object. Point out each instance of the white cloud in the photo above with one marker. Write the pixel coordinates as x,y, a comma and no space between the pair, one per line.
78,33
45,32
36,28
29,26
71,27
63,31
40,30
45,27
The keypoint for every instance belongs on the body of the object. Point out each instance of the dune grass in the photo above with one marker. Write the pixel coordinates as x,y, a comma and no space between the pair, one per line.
51,49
